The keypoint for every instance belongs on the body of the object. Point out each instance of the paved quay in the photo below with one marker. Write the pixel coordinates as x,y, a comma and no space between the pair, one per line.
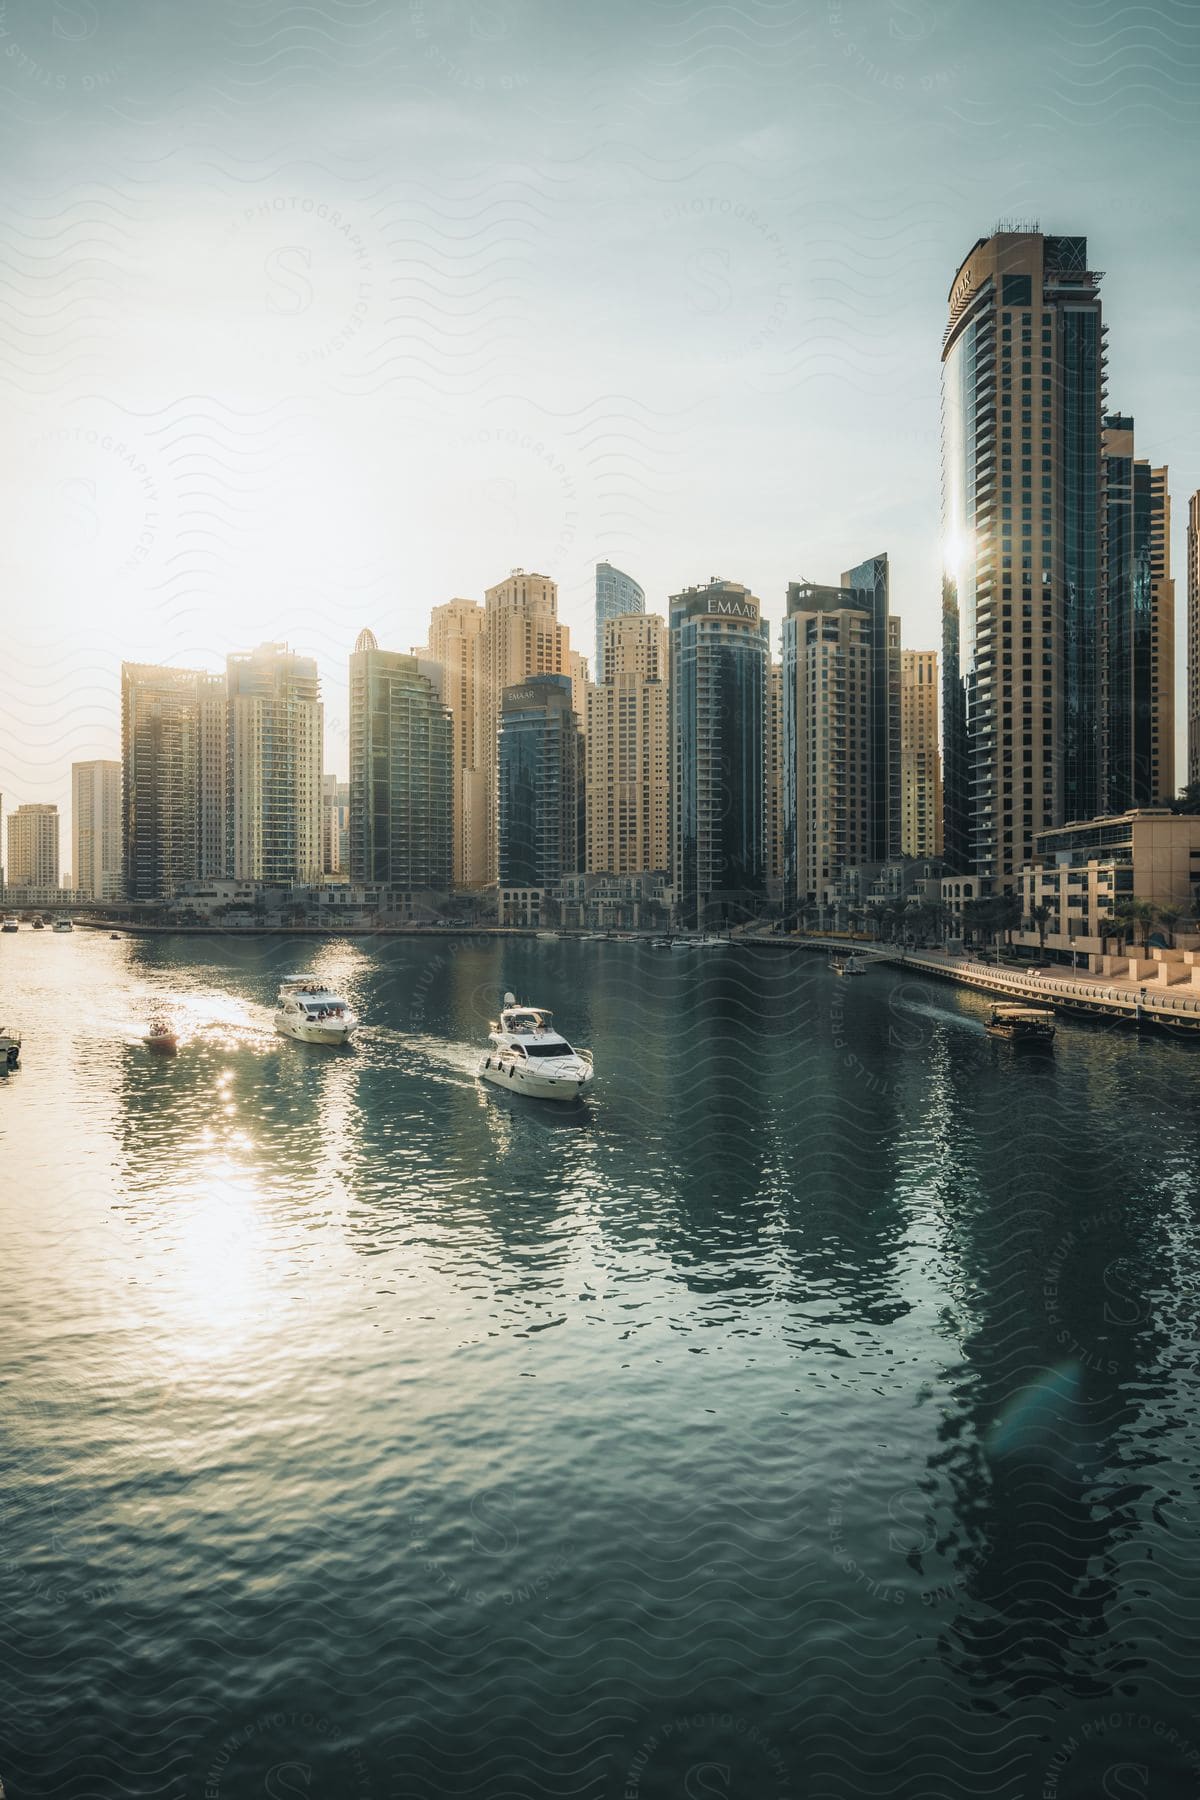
1115,997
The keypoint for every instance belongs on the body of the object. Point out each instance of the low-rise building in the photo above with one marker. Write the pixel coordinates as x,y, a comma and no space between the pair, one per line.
1083,871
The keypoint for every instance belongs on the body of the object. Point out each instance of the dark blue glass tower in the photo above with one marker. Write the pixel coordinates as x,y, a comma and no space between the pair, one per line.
719,656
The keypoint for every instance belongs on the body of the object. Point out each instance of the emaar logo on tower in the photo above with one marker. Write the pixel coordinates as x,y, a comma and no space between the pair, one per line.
733,609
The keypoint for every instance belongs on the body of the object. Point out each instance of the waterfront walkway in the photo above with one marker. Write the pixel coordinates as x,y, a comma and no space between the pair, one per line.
1113,996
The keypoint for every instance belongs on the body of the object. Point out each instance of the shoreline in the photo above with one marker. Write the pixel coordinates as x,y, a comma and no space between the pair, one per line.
1081,997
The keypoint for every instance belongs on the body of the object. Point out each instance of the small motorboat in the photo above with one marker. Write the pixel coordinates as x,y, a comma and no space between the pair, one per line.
63,925
1021,1024
850,964
114,937
38,926
11,923
10,1050
160,1037
529,1057
310,1012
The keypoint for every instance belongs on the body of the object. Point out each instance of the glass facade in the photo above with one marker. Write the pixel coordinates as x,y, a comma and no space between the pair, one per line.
1022,391
541,775
719,657
615,593
1080,383
401,773
869,583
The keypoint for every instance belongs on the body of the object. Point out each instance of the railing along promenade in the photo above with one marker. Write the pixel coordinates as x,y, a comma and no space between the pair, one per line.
1131,1003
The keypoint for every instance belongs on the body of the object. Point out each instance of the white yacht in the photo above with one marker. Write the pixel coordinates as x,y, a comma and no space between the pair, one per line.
11,923
312,1013
529,1057
63,925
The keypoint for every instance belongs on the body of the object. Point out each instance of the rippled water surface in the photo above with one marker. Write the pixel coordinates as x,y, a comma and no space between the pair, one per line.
812,1414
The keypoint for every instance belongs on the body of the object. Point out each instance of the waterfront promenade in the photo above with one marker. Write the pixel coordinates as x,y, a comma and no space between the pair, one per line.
1118,997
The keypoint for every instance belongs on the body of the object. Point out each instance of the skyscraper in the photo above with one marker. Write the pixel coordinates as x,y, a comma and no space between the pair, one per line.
616,593
773,777
276,731
335,826
173,777
541,784
96,829
841,729
1022,400
626,752
719,655
521,637
401,772
455,644
33,847
920,757
828,684
1193,638
1137,628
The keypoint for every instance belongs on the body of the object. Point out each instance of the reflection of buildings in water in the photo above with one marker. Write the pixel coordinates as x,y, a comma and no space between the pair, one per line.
1058,1357
473,1190
845,1220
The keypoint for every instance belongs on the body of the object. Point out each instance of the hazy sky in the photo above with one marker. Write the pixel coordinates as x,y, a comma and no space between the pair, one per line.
315,315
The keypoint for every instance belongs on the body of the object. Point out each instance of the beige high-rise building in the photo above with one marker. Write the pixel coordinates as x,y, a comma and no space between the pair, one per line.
521,637
773,776
96,829
920,755
1162,639
174,778
33,847
276,732
1193,638
828,658
626,750
455,645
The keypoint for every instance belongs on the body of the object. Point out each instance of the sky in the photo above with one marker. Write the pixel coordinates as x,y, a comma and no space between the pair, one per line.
313,316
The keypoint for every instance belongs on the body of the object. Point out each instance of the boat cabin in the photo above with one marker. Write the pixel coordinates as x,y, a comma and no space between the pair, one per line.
307,995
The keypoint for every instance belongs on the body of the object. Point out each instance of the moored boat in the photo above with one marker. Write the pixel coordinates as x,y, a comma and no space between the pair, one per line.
312,1013
10,1049
11,923
63,925
1021,1024
528,1056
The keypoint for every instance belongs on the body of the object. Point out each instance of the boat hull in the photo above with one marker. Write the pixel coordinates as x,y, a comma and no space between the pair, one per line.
534,1087
318,1032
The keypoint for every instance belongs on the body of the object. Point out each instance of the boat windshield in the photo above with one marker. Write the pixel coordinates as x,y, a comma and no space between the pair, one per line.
559,1047
528,1021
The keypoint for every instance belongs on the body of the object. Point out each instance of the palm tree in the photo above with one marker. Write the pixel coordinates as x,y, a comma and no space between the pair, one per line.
1170,918
1135,919
1041,917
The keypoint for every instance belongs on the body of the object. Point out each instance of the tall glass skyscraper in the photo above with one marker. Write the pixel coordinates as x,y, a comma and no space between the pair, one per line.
541,766
616,593
401,772
719,654
1137,724
276,743
1022,406
174,785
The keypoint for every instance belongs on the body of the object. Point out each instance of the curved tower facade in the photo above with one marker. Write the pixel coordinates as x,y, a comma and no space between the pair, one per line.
1022,409
616,593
